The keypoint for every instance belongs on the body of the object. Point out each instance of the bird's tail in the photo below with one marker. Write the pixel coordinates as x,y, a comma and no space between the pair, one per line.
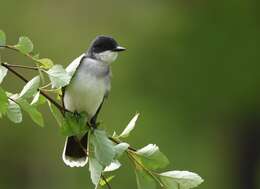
75,151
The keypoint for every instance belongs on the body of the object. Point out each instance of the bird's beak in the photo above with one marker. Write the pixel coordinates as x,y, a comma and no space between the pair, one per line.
118,49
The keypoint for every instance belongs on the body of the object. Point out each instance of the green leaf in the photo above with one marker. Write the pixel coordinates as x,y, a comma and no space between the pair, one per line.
151,157
58,76
3,102
102,182
144,180
95,169
35,115
103,148
129,127
74,124
14,112
72,67
24,45
46,63
3,72
2,38
114,165
59,94
120,149
180,179
30,88
56,113
38,99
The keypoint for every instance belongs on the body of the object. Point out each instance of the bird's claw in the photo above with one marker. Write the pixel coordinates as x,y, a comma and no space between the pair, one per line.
93,125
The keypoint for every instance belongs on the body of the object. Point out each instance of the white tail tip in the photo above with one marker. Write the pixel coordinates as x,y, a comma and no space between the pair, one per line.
73,162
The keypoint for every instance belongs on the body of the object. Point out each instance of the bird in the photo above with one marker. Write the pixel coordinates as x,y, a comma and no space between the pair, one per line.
87,90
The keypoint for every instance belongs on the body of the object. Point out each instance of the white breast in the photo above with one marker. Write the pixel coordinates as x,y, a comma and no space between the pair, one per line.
86,91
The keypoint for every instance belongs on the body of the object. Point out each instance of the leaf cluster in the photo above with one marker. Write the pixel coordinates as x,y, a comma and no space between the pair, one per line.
30,97
104,151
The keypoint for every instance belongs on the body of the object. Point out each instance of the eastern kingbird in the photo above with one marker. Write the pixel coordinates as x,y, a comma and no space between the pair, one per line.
89,86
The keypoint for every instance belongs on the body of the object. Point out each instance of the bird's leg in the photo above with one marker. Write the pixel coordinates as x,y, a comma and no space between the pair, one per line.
76,114
93,121
92,124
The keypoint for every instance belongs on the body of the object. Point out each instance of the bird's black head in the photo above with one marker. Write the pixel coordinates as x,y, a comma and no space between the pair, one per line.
104,43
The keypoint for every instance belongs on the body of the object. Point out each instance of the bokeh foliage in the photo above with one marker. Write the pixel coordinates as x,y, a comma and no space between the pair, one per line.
191,66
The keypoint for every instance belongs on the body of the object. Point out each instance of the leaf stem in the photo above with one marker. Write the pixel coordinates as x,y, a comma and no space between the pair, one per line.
41,74
104,178
45,86
49,90
131,157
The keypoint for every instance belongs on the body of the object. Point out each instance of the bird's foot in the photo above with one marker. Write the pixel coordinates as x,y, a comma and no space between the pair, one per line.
93,125
76,114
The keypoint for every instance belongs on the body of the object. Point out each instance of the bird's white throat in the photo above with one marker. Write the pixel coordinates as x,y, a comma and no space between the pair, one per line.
107,56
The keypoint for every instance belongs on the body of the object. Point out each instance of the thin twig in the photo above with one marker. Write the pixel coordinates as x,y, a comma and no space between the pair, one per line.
12,100
27,55
62,110
15,49
118,142
14,72
45,86
8,47
81,146
21,66
104,178
131,157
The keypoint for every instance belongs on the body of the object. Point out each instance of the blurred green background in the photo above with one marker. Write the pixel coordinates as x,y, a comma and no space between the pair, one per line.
191,70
